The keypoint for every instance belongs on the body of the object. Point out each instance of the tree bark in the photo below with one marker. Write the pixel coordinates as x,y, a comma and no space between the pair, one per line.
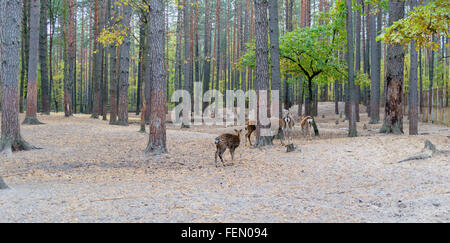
358,58
43,58
207,51
413,116
25,51
351,71
113,72
31,115
374,70
97,63
187,51
71,55
124,65
262,70
274,50
157,138
393,122
10,16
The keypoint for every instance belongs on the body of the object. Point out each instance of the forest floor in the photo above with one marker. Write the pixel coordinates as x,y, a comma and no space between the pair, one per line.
89,171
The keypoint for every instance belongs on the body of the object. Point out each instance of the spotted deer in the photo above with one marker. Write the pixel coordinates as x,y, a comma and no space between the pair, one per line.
307,125
287,125
250,127
225,141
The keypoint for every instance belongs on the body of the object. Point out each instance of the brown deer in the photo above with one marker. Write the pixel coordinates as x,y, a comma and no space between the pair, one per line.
250,127
307,125
225,141
287,125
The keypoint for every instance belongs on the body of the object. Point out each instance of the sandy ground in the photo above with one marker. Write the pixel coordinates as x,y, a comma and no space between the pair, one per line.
89,171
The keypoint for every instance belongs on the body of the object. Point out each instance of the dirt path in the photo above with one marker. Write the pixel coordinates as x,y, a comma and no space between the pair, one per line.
89,171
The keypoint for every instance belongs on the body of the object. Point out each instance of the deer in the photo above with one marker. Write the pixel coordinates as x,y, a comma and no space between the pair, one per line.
307,125
250,127
225,141
287,125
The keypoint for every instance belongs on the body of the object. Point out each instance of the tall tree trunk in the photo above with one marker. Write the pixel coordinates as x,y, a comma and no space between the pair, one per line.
157,138
351,71
140,64
11,14
207,51
196,41
274,50
289,27
24,52
358,58
413,116
31,115
104,18
393,122
97,63
374,70
124,65
217,40
262,71
431,79
71,55
43,58
178,66
187,50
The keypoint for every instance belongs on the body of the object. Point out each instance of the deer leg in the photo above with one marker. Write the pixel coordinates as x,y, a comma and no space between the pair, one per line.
216,157
249,138
221,158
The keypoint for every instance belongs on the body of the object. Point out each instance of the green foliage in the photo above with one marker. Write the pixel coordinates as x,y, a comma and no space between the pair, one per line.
362,79
422,23
311,51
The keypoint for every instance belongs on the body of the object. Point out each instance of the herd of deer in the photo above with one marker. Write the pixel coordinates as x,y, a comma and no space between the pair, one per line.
286,125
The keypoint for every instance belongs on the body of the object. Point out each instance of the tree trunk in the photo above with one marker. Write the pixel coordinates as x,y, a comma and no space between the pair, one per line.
140,64
413,116
31,115
71,55
187,52
11,14
262,71
357,58
178,67
274,50
43,58
157,138
124,65
207,51
113,73
393,122
25,51
351,72
97,69
104,18
374,71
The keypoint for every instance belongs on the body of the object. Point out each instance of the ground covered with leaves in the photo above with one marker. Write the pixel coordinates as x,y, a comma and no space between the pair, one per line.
89,171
